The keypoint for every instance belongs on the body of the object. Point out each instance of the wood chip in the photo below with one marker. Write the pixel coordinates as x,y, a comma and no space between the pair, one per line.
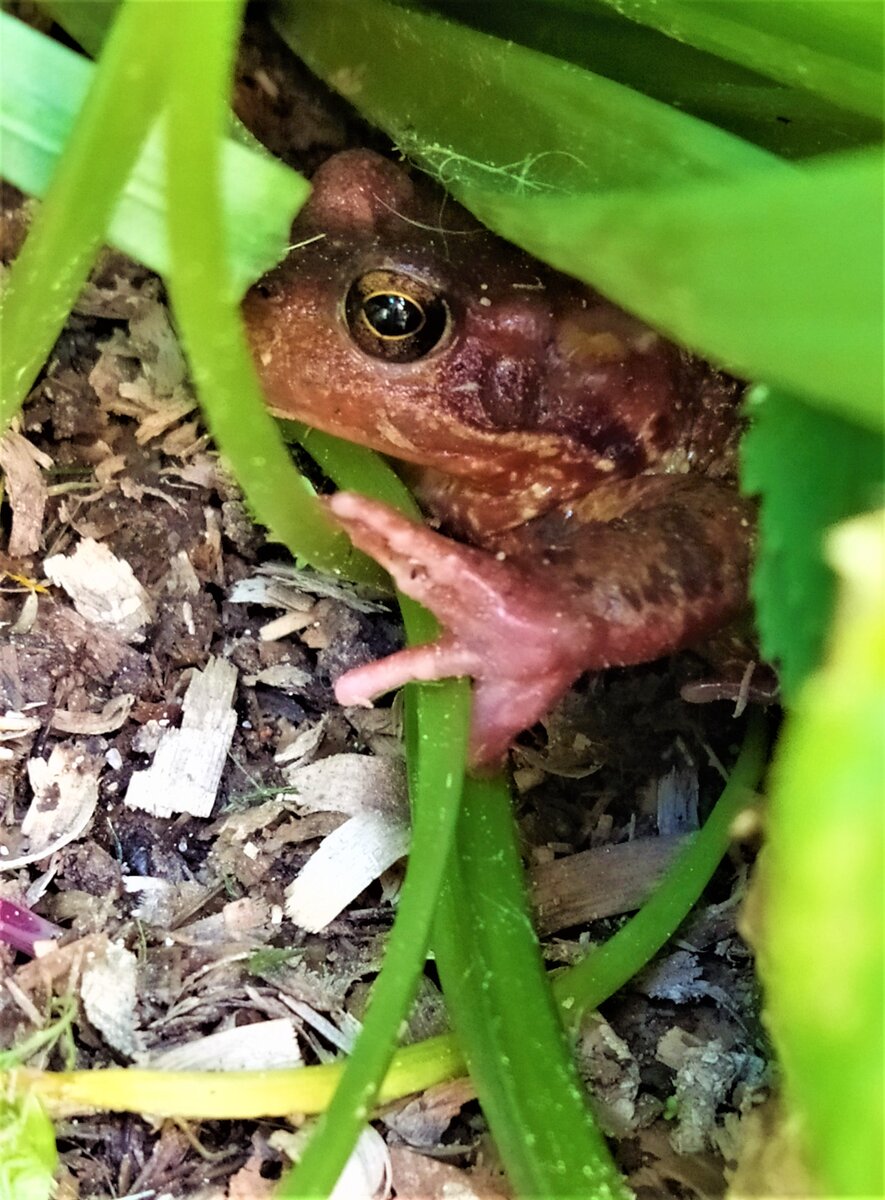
348,860
675,796
285,626
250,1182
266,1045
373,791
301,745
599,883
181,579
270,593
100,651
24,622
243,922
163,903
113,716
26,492
422,1120
65,791
109,990
14,725
285,677
280,585
60,967
350,783
104,588
186,771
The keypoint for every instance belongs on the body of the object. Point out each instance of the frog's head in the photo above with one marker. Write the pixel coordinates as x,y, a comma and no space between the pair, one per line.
398,322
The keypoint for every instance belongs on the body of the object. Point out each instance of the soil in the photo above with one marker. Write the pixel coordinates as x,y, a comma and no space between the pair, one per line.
176,925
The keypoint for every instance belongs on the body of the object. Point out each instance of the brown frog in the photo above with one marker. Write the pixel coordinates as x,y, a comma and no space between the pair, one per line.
585,463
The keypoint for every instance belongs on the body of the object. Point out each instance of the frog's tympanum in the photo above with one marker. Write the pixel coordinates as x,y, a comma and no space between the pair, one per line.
584,463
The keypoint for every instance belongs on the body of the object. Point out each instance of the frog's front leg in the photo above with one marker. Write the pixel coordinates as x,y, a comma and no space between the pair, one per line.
633,571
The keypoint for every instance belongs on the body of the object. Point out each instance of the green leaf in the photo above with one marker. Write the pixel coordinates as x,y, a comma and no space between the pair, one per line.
28,1157
66,233
832,47
546,126
783,118
42,88
811,469
822,956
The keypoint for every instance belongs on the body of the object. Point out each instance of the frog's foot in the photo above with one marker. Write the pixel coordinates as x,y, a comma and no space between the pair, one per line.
500,627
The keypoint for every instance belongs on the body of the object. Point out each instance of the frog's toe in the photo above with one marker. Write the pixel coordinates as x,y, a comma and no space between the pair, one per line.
439,660
448,578
503,703
500,627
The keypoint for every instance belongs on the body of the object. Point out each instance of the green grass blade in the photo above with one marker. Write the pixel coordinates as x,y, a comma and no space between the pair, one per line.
500,1004
66,233
42,87
204,304
438,720
610,966
443,721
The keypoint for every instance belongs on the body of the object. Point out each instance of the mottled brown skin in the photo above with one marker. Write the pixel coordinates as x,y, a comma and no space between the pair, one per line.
588,462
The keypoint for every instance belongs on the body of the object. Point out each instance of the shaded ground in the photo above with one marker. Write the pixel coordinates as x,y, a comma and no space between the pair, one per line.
166,612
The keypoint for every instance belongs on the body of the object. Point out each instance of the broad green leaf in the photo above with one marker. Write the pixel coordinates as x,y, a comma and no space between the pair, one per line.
773,270
783,118
118,109
481,109
42,87
810,469
832,47
822,958
780,278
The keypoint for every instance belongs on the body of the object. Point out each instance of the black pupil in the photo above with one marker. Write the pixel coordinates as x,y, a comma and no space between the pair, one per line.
392,315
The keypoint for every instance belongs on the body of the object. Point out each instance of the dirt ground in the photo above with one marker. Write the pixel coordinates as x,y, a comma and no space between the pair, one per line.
173,758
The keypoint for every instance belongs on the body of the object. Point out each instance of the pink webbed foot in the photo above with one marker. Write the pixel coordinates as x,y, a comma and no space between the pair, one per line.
499,626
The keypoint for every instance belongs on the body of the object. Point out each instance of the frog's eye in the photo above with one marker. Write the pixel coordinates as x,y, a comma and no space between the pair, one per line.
395,316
